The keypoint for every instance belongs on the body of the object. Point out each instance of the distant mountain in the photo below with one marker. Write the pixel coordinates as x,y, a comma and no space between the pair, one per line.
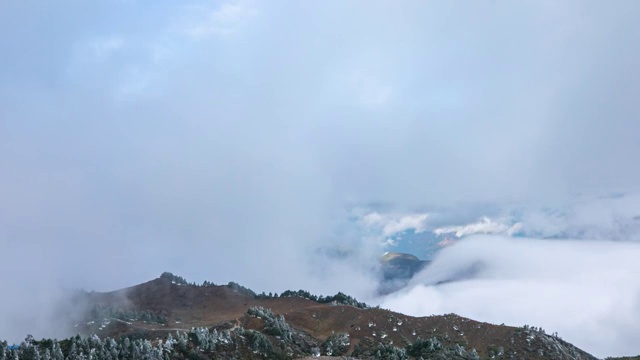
399,265
397,269
168,318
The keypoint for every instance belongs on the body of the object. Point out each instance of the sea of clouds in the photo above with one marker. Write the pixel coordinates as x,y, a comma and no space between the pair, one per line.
572,271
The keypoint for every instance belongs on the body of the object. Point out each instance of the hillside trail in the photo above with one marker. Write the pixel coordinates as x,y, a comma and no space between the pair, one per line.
149,328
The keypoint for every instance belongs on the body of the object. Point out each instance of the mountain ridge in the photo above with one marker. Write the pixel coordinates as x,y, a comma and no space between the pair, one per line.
155,309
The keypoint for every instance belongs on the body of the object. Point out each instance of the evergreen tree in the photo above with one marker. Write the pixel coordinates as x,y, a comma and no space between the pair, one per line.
125,349
135,351
73,351
182,342
168,344
57,351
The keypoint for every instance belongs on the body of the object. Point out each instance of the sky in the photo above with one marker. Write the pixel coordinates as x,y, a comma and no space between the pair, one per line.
252,141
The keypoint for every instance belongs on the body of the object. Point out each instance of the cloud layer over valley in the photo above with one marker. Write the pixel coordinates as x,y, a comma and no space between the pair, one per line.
584,290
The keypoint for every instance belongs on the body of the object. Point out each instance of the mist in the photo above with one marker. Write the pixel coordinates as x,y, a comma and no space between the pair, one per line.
244,141
584,290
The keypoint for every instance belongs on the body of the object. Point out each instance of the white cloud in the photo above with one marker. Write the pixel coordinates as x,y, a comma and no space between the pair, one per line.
614,217
88,53
393,224
370,89
484,226
586,291
223,20
101,48
137,83
609,217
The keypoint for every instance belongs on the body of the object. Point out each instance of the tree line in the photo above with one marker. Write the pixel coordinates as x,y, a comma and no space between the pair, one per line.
337,299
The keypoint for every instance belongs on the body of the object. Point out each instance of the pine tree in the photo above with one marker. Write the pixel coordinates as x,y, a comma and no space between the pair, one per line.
125,349
35,352
157,351
213,340
3,350
182,342
112,347
57,351
136,352
168,344
73,352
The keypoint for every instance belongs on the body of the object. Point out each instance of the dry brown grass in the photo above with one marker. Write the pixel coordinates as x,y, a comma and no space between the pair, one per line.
188,306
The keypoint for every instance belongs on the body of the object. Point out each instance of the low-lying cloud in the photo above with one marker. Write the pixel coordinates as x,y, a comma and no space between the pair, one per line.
587,291
392,224
484,226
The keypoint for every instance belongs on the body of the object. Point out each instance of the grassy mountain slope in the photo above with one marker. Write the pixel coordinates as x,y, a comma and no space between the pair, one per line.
168,306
